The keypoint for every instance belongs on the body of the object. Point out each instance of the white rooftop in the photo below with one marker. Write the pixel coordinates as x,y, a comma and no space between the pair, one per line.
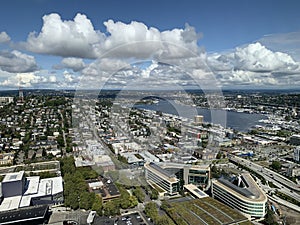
95,185
25,201
50,186
32,185
196,191
10,203
9,177
35,188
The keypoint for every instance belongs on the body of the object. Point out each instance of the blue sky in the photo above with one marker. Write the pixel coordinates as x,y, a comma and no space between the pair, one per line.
223,26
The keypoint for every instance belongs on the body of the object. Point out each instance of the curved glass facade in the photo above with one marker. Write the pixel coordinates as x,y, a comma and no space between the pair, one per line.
252,208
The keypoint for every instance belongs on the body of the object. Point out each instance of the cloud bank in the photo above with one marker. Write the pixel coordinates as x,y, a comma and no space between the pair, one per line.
112,55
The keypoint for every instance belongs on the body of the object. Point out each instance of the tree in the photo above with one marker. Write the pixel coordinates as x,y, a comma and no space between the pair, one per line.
269,218
67,165
60,141
86,200
72,200
151,210
133,201
137,192
111,208
276,165
164,220
154,194
219,155
97,205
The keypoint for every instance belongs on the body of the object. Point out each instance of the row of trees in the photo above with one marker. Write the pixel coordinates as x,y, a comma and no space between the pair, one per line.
76,191
151,211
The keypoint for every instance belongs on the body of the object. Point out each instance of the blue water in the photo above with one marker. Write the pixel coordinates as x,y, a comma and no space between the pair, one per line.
236,120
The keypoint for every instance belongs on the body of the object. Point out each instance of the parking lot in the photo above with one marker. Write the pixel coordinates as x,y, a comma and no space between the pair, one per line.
131,219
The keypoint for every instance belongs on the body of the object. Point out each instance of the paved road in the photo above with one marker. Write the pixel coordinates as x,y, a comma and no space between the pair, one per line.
285,203
63,131
284,185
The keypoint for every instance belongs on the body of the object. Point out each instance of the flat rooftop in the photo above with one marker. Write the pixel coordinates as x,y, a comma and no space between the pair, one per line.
162,171
195,191
23,214
50,186
96,185
181,166
9,177
32,185
10,203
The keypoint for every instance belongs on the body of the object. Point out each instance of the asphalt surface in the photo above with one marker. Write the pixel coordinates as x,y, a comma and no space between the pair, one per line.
284,185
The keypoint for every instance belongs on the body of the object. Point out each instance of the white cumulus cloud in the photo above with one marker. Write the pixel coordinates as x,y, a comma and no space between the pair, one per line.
254,64
4,38
52,79
17,62
69,38
256,57
78,38
76,64
139,41
22,80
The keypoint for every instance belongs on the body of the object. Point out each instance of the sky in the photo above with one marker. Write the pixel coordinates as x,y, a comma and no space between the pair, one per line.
149,44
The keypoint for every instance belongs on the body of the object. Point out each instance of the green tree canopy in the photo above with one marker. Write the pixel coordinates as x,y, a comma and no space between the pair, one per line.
276,165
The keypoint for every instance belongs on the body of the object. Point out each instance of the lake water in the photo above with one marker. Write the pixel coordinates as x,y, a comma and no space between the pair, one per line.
235,120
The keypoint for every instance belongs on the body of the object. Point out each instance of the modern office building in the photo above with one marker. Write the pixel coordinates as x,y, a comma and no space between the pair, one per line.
241,193
190,174
160,178
19,191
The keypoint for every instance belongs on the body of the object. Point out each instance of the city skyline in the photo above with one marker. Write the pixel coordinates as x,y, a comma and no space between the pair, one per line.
116,44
